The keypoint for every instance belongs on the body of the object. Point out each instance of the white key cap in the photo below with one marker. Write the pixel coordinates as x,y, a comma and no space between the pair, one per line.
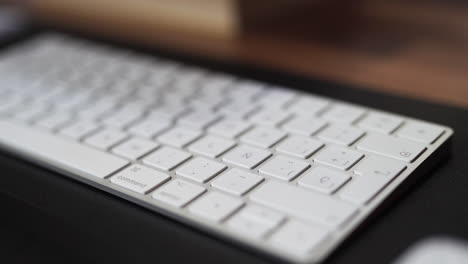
422,132
276,98
67,103
301,147
374,174
246,90
54,121
31,113
298,238
80,129
166,158
342,113
264,137
106,138
236,181
216,84
61,153
308,105
323,179
302,203
229,128
338,157
168,112
284,168
199,120
179,137
178,193
10,106
380,122
215,206
238,109
139,179
149,128
247,227
340,134
200,169
263,215
211,146
306,126
121,119
138,106
97,109
134,148
270,117
396,148
246,157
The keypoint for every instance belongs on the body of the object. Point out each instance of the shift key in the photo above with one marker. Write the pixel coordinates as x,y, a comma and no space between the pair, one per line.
301,203
392,147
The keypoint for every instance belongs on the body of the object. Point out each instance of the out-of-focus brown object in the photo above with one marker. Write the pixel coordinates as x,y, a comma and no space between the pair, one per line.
417,48
220,18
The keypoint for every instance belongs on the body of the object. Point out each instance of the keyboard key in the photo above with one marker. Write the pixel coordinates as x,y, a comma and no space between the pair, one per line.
276,97
261,214
301,147
34,112
302,203
264,137
323,179
199,119
80,129
149,128
306,126
139,179
238,109
284,168
54,121
122,118
179,137
421,132
236,181
166,158
270,117
338,157
178,193
215,206
60,152
168,112
339,134
211,146
374,173
246,157
97,109
134,148
106,138
299,238
392,147
229,128
247,226
343,113
308,105
380,122
246,91
200,169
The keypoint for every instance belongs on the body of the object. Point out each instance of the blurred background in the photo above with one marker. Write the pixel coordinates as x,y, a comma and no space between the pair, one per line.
413,48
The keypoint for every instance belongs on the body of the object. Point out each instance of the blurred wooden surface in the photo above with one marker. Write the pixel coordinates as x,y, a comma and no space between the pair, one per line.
411,48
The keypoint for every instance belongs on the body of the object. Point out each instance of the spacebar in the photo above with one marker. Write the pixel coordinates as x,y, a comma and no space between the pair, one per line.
58,152
303,204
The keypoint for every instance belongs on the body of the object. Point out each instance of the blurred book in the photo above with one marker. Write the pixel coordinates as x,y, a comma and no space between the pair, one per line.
225,18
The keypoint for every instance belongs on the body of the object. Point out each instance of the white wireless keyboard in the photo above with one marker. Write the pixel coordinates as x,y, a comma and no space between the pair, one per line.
287,173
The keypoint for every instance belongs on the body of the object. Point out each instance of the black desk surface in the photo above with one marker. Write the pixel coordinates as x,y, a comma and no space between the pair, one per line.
49,218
